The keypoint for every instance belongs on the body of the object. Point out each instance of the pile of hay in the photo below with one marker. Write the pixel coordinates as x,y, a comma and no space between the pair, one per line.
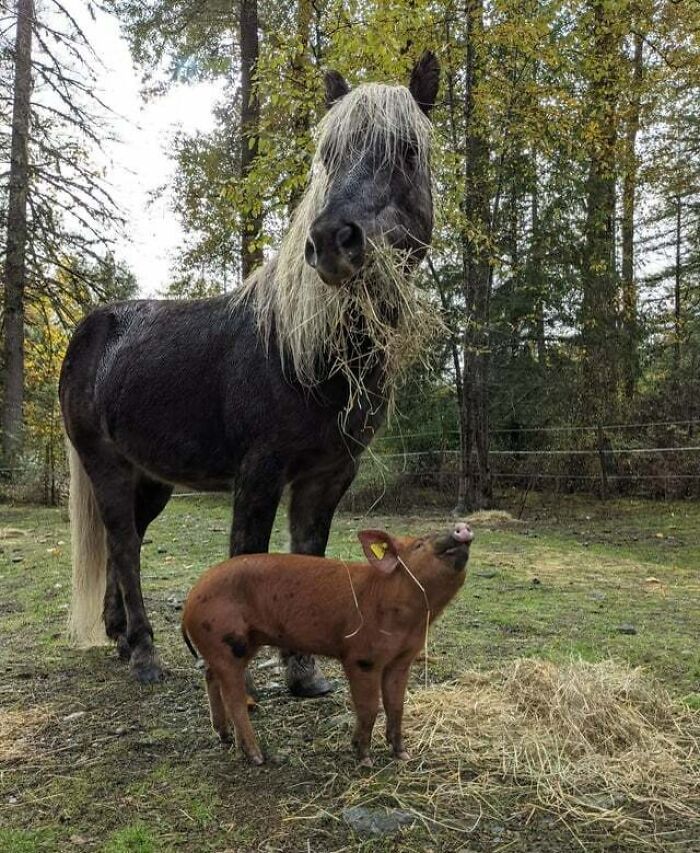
18,728
598,747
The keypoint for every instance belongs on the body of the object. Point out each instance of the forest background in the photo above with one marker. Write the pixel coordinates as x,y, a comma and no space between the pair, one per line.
566,259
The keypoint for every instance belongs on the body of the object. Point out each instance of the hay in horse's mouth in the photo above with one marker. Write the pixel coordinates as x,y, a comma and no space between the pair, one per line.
379,319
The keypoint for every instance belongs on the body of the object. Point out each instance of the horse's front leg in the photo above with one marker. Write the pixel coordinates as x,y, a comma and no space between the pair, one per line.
315,497
256,496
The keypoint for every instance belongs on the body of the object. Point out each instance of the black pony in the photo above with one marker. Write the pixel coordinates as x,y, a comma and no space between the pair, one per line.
285,382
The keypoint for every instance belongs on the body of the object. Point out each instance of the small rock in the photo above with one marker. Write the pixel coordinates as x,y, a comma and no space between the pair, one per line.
147,542
175,602
161,550
596,595
487,575
17,559
535,581
368,822
119,732
626,629
76,715
79,840
12,801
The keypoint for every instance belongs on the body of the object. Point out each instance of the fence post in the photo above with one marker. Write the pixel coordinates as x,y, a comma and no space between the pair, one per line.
603,472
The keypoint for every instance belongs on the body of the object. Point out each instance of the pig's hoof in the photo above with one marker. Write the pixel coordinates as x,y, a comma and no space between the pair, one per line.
256,758
305,679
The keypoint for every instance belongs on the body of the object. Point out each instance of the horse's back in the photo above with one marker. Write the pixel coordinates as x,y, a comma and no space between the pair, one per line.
147,376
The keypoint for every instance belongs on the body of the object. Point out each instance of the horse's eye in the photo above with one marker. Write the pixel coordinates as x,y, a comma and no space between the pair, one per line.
410,157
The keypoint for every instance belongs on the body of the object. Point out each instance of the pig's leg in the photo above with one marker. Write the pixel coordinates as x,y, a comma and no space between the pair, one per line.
217,711
233,692
364,687
394,679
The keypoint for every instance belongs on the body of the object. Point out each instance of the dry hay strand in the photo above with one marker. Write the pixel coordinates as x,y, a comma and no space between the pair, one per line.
597,747
17,730
12,534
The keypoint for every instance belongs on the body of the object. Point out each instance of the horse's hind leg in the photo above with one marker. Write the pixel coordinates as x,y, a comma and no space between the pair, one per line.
151,498
115,485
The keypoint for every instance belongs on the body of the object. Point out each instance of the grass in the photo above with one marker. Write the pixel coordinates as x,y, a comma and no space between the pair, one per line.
90,761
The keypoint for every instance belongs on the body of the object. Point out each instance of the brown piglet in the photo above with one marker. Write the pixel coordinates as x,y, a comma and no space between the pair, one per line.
372,616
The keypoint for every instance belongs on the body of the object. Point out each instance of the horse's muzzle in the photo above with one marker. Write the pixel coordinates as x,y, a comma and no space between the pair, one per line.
335,249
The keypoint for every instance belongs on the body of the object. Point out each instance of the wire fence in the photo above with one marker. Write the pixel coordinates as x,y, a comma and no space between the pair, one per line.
656,459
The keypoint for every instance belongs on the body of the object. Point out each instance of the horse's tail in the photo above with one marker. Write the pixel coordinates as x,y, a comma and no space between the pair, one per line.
89,555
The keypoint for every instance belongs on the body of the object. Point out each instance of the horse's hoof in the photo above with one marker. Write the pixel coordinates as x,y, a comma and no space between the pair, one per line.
305,679
366,762
256,758
402,755
147,669
123,648
148,673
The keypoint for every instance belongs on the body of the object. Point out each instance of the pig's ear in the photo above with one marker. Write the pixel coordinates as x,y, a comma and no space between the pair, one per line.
380,550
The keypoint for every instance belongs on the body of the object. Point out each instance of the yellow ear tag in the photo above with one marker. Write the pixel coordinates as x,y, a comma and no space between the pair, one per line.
378,549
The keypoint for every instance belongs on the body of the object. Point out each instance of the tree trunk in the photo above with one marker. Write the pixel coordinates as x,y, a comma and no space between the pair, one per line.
475,487
599,307
17,235
251,250
629,189
535,282
677,292
300,63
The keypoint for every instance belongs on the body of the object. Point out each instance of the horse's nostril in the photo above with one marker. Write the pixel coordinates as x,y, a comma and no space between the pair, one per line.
350,238
310,253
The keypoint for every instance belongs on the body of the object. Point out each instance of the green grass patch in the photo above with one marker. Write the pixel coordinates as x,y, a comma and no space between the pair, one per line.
112,766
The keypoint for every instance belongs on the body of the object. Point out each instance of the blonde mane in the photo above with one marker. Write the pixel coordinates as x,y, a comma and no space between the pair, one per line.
310,318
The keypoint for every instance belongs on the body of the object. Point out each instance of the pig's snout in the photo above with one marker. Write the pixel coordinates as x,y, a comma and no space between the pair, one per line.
462,533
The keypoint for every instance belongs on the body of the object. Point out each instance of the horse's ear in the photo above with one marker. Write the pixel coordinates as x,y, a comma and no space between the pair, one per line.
380,550
336,87
425,81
